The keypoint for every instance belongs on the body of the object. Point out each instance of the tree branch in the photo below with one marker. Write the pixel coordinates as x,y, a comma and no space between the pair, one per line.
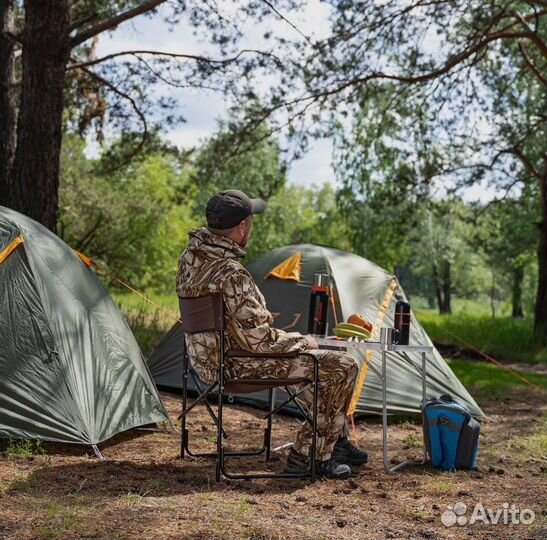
532,66
283,18
83,21
532,36
524,160
149,5
197,58
135,107
407,79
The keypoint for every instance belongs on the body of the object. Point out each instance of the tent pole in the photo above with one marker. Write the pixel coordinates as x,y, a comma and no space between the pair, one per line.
97,452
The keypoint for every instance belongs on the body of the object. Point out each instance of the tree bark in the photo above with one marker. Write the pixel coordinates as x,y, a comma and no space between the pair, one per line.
447,285
46,49
7,101
540,315
518,277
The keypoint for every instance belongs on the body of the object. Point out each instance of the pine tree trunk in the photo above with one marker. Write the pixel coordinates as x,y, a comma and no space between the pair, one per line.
447,285
540,319
7,101
518,278
45,55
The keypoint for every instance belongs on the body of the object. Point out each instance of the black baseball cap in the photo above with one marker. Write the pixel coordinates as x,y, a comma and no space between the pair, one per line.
228,208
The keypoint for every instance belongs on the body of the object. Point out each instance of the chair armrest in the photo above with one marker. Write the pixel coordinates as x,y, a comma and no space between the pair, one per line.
234,353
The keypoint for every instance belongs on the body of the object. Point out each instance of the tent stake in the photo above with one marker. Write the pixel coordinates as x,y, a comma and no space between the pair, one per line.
97,452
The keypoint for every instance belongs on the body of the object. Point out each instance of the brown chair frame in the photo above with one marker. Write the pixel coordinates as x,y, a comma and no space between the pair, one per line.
206,314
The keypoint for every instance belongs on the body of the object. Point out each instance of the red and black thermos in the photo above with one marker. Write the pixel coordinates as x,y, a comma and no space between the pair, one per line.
319,303
402,323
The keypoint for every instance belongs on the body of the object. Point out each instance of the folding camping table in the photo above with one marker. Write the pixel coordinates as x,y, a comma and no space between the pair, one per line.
384,346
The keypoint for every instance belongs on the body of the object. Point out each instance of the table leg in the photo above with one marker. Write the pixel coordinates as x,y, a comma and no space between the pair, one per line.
424,398
384,408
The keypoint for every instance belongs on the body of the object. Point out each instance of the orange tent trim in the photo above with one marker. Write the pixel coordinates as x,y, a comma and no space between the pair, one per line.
5,253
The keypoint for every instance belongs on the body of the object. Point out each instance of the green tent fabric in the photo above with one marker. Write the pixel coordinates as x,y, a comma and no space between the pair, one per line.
359,286
70,368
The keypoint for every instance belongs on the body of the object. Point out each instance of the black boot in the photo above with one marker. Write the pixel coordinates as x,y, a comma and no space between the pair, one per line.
330,469
345,452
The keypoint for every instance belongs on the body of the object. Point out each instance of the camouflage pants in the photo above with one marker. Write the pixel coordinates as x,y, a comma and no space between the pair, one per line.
337,374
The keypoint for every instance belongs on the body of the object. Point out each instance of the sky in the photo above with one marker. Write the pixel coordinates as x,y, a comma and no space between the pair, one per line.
200,109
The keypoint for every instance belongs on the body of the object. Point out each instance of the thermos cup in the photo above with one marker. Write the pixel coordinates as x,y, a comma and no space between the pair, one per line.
319,303
401,336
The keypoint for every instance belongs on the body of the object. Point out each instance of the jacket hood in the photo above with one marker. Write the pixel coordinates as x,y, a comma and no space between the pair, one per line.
204,240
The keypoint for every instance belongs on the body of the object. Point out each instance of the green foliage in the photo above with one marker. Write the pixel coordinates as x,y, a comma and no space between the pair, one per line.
23,448
384,163
297,215
504,338
231,159
134,219
148,323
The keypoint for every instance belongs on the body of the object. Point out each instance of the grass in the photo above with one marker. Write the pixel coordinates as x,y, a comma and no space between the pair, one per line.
533,447
23,449
148,322
504,337
133,499
489,382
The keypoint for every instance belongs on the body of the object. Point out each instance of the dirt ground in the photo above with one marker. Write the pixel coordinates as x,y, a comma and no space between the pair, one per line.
142,490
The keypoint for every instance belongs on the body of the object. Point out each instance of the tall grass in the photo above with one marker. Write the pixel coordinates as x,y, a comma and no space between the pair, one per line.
147,322
505,338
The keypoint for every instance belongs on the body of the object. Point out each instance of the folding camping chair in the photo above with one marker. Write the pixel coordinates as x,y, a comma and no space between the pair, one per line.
206,314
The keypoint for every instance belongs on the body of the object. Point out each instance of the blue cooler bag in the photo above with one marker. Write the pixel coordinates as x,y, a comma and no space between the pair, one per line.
451,434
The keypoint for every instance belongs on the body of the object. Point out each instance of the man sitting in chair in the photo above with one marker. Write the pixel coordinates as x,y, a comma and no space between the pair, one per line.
210,264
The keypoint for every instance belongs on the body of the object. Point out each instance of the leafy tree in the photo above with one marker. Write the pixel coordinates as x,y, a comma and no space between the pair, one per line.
505,234
135,220
481,69
259,171
299,215
382,163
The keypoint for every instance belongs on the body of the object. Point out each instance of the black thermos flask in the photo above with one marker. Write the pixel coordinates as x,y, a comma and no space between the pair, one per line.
402,323
319,303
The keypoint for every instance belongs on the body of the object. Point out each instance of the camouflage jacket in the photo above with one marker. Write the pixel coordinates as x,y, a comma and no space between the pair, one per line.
210,264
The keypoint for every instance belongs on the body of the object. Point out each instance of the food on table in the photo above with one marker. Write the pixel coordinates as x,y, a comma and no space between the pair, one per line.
359,320
351,330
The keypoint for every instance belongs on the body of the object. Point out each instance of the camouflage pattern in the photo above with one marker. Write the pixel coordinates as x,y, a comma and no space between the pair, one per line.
211,264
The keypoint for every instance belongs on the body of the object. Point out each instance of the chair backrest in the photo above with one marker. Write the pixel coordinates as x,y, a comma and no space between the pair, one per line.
202,313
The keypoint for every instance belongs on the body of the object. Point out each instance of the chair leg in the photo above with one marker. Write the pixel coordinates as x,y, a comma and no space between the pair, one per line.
314,420
268,433
183,431
206,402
220,449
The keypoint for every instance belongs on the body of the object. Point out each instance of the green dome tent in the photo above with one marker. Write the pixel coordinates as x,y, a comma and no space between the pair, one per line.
70,368
285,276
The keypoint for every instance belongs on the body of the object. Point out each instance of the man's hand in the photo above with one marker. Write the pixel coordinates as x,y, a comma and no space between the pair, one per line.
311,344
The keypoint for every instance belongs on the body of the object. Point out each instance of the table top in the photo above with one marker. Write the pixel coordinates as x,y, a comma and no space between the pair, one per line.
333,341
